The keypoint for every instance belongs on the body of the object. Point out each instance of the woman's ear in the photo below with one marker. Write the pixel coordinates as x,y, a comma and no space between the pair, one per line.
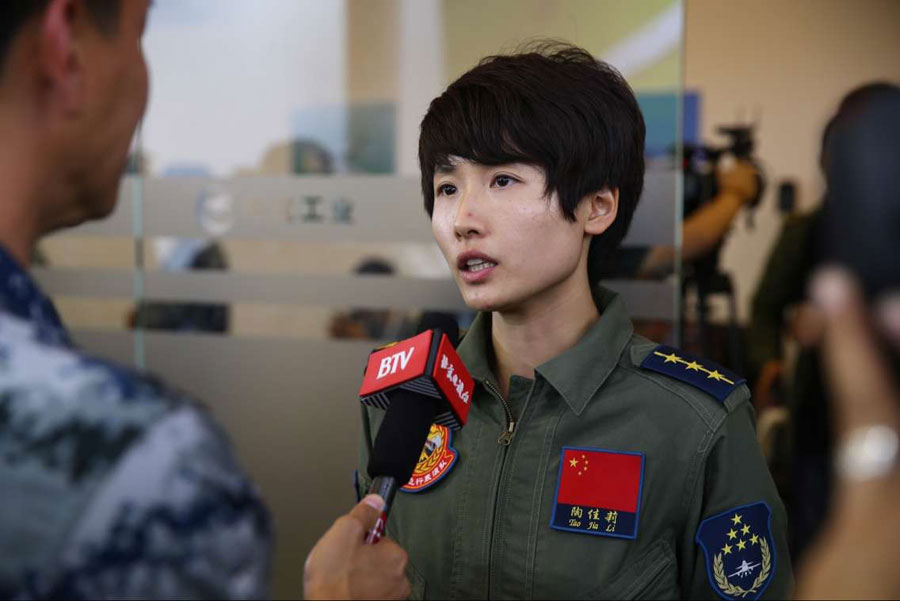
602,208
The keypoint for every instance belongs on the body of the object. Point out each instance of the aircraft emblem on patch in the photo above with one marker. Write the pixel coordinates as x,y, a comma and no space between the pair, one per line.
740,553
435,461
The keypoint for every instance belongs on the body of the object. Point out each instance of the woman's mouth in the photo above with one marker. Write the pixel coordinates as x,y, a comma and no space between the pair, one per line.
475,267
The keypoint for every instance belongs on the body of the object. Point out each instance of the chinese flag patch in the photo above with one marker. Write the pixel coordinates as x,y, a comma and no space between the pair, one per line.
599,492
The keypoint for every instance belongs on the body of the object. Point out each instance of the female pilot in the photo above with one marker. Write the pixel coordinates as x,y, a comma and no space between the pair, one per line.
595,463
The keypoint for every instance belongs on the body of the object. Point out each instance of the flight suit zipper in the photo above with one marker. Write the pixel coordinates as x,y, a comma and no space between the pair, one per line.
507,435
504,441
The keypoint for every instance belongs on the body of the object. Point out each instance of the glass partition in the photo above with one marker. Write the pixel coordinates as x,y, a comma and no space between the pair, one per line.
274,231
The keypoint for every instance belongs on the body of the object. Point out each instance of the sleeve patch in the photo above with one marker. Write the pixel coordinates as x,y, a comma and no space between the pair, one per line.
739,551
700,373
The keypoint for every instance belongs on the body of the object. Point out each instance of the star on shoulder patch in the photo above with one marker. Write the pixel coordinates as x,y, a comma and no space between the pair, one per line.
700,373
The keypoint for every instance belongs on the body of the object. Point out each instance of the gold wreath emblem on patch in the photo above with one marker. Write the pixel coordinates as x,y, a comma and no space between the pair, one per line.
734,590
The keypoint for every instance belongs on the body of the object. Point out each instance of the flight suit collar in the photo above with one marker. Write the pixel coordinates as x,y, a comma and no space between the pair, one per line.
473,349
576,374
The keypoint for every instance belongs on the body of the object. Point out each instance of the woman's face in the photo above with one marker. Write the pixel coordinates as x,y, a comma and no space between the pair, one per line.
507,243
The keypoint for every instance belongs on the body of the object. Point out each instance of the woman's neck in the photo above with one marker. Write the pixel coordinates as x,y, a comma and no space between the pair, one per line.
544,328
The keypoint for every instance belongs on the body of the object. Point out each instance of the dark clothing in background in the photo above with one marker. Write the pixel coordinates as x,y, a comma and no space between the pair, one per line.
790,264
201,317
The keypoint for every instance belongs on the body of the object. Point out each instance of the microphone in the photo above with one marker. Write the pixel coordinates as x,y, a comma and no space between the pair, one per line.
419,381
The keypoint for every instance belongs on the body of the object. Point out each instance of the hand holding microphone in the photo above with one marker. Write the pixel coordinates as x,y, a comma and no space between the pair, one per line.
419,381
341,566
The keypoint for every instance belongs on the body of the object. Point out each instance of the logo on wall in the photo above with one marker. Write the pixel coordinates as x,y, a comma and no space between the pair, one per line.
435,462
215,212
309,209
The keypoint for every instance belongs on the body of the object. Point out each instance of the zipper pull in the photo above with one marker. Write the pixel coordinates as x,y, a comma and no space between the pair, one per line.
507,436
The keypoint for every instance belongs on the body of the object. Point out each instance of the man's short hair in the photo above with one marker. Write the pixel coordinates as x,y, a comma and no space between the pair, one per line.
14,14
856,100
552,105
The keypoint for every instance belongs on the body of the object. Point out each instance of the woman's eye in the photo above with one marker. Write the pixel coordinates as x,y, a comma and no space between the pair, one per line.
446,189
502,181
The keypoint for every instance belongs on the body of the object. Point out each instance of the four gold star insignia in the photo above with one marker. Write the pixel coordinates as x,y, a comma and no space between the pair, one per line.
693,366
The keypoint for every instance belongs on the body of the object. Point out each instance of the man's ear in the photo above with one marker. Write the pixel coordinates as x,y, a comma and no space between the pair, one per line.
61,33
602,208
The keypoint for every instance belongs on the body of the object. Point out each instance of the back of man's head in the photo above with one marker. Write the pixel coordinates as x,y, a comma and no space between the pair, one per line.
14,14
73,87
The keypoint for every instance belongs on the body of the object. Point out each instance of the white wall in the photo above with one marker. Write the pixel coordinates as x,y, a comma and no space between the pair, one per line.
792,61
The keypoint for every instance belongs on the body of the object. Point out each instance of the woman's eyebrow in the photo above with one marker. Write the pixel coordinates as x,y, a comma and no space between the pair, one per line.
445,169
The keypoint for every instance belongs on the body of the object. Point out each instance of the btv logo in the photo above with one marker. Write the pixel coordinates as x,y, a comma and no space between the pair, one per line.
390,364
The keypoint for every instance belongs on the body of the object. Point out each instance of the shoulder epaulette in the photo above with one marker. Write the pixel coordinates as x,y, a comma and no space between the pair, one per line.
700,373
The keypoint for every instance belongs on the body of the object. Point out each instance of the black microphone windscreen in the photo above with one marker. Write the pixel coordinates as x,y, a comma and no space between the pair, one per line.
445,322
402,435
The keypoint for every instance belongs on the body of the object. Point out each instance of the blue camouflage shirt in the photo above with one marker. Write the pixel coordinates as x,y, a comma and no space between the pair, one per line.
112,485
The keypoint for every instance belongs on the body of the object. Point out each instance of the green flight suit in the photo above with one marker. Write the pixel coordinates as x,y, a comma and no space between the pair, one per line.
484,530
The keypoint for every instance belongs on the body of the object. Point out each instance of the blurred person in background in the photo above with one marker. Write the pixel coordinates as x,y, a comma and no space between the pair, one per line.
780,309
178,255
371,324
858,303
113,485
702,231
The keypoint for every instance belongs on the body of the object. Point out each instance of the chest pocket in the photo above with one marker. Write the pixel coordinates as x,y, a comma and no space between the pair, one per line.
652,576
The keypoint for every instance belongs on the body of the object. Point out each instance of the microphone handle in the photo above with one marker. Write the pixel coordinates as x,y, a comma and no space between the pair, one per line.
386,487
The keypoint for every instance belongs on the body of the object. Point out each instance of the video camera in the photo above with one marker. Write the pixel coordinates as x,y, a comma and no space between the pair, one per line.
703,274
701,161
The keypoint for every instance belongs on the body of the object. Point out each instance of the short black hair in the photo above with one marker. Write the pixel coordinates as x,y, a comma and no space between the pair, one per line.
14,14
552,105
853,102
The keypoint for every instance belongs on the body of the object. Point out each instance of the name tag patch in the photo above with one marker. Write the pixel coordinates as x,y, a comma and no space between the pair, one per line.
598,492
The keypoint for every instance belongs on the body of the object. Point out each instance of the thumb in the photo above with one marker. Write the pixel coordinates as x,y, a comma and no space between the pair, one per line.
861,384
368,511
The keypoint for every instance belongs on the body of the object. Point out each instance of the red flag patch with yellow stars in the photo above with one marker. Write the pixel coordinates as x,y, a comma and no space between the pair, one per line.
599,492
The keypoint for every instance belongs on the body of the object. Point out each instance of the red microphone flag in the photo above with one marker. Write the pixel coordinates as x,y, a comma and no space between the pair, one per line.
426,364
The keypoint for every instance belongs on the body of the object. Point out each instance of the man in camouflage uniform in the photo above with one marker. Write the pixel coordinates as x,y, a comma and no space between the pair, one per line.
111,485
